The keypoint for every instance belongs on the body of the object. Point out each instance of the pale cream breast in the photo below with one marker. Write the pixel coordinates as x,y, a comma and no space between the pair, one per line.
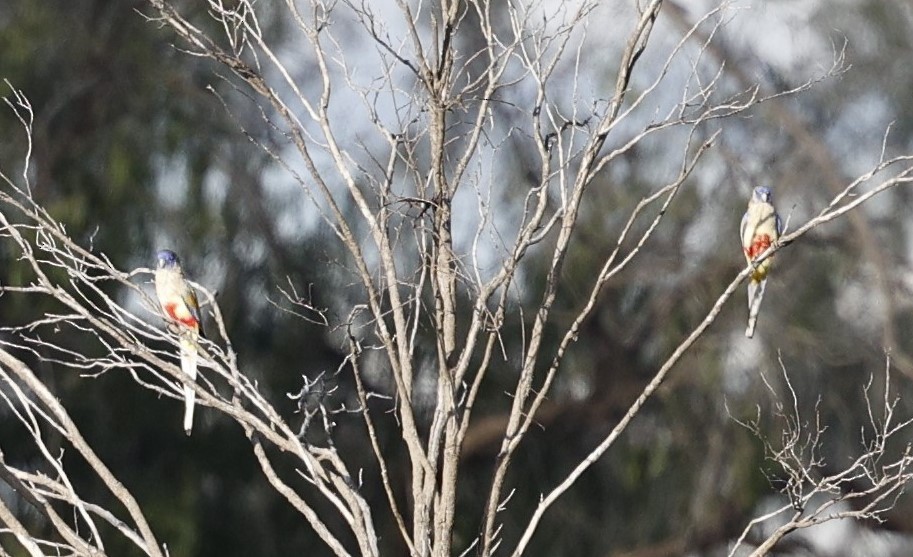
169,285
761,220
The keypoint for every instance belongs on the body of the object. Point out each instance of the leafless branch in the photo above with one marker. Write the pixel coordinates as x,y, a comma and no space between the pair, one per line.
870,484
437,235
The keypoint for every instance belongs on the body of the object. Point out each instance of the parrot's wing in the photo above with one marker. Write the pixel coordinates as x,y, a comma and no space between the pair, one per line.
742,226
193,306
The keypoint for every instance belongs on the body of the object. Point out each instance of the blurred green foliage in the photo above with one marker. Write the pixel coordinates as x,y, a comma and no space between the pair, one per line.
131,152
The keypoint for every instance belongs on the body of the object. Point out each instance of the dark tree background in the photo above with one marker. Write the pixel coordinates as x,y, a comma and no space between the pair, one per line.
137,146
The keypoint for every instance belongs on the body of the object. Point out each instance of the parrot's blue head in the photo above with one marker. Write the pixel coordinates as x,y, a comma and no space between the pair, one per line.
168,259
762,194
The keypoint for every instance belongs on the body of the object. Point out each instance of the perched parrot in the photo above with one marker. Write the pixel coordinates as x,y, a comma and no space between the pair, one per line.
179,302
760,228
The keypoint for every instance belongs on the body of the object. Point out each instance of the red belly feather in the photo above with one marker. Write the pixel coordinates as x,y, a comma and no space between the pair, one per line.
759,245
189,321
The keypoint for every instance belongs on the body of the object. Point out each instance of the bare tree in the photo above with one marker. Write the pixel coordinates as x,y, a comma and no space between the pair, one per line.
815,492
435,238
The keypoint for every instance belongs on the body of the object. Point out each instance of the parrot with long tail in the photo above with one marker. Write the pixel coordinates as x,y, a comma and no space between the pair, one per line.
179,302
761,227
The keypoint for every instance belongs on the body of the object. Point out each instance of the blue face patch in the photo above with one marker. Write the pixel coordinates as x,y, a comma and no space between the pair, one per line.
167,257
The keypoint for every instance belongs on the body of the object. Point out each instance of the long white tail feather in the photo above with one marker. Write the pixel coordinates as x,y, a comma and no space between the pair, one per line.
189,367
755,295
